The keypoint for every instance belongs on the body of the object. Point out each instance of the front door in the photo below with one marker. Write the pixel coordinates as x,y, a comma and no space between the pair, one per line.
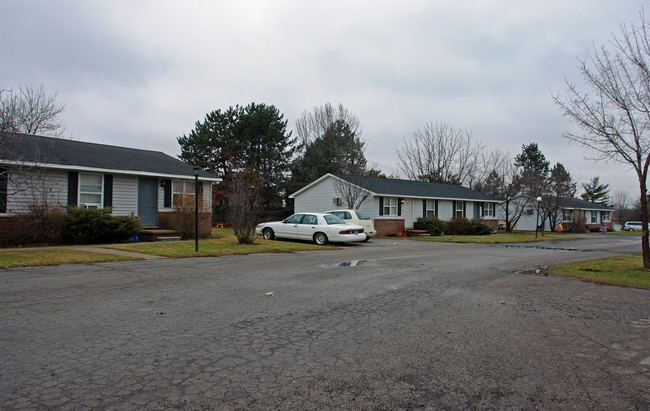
148,201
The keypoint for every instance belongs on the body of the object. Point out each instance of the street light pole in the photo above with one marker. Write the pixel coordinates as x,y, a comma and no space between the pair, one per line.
196,209
539,201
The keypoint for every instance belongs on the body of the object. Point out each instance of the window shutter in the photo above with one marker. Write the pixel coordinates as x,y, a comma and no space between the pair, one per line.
399,206
73,186
381,205
464,209
3,190
436,208
453,206
108,190
424,208
167,192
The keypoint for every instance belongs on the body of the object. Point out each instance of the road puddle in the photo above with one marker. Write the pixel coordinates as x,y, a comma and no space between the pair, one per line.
352,263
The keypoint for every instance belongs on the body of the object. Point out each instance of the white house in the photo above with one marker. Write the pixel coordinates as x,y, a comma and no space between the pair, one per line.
60,172
394,204
595,215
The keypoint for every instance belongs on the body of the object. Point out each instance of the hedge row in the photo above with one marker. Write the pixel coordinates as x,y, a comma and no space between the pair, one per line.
456,226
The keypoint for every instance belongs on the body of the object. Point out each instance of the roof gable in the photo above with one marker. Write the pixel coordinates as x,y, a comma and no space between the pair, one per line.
71,153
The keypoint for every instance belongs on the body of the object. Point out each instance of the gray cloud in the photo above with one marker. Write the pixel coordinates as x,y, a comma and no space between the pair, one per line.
141,73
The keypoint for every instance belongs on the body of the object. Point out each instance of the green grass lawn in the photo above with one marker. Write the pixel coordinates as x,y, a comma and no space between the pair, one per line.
33,258
223,242
625,271
517,237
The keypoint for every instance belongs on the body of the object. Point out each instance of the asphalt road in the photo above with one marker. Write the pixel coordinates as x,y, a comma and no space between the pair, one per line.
413,325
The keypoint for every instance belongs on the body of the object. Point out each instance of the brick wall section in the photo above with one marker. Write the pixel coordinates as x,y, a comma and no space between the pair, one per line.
386,227
8,230
166,221
492,223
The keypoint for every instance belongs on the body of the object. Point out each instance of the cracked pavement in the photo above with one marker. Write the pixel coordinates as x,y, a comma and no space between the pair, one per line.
418,326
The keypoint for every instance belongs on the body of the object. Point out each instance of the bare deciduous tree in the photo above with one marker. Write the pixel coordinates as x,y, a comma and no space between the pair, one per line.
30,111
27,111
614,114
244,205
311,126
439,153
622,204
350,192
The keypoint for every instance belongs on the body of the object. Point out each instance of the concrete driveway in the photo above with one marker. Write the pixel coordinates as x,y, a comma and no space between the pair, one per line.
406,325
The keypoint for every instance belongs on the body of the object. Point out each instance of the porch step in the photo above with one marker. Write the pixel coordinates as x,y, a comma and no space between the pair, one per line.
153,234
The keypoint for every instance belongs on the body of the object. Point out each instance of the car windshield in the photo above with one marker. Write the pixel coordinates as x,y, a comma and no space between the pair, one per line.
362,215
332,219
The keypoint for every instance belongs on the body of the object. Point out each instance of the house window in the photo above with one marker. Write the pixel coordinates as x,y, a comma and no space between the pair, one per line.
90,190
567,215
459,209
594,217
488,210
606,216
431,208
182,189
390,206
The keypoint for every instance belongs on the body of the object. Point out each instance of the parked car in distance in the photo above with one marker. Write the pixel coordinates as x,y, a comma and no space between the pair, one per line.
320,228
358,218
632,226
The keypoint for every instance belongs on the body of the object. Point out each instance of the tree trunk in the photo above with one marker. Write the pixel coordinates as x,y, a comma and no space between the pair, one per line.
644,225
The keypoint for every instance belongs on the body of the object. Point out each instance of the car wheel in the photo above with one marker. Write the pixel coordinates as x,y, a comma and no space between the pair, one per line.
320,238
268,234
367,238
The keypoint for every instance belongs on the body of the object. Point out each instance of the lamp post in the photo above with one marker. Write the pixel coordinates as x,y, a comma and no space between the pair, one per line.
196,209
539,201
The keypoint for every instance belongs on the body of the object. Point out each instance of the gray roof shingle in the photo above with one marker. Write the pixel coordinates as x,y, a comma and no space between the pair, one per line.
49,150
583,205
409,188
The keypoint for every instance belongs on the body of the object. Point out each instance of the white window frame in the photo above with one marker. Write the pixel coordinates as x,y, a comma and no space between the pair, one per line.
80,192
183,188
594,217
608,218
390,206
489,210
430,209
460,208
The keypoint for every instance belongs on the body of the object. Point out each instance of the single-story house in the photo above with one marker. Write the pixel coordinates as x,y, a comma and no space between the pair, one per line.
60,172
395,204
595,215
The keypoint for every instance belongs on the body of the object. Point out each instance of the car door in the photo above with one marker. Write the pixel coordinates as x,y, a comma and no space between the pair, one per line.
307,227
289,227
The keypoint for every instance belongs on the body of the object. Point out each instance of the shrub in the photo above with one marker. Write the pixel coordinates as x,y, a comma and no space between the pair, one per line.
457,226
577,225
433,225
478,227
92,226
42,224
182,220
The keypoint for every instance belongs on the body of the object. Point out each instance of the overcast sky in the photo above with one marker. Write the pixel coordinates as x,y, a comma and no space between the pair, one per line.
141,73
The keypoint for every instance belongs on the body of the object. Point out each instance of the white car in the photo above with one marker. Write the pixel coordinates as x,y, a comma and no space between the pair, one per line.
317,227
632,226
356,217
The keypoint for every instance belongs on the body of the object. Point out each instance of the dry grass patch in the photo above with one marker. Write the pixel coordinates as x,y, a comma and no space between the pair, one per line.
625,271
518,237
223,242
55,256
